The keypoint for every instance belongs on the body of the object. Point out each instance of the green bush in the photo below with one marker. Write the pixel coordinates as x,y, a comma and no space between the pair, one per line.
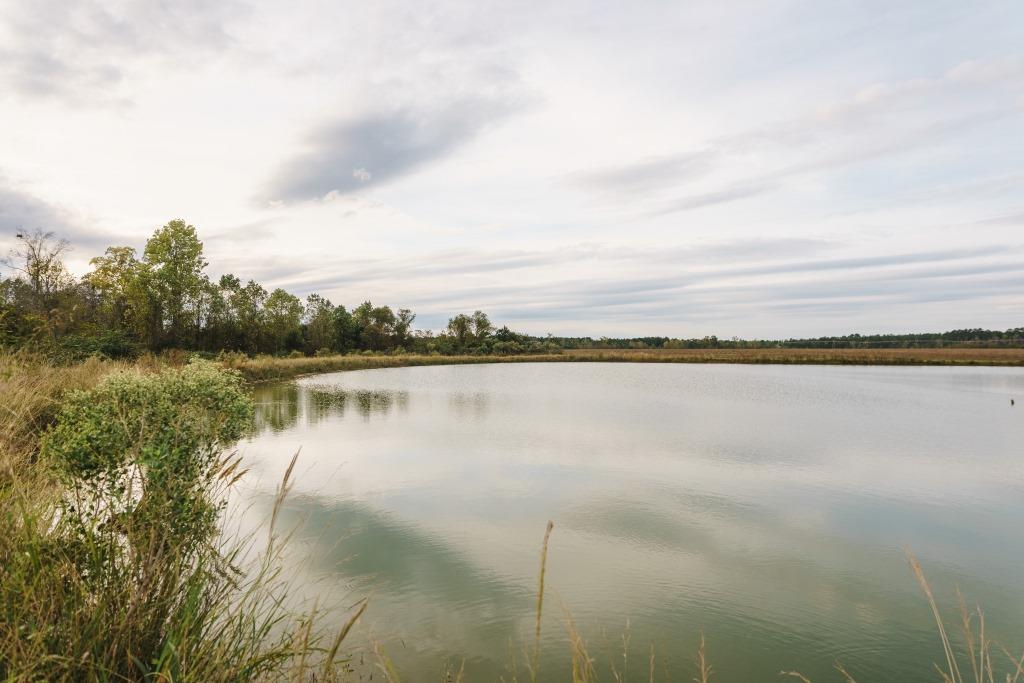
148,446
103,343
114,569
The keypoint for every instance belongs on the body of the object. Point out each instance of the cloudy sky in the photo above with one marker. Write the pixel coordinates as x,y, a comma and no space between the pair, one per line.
754,168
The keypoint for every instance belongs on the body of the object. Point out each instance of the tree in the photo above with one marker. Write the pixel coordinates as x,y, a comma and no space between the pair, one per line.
320,324
283,316
175,257
403,327
346,331
213,317
245,308
503,334
117,278
37,261
460,328
376,326
481,325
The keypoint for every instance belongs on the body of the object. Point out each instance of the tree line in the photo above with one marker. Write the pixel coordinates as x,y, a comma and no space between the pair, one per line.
162,299
972,337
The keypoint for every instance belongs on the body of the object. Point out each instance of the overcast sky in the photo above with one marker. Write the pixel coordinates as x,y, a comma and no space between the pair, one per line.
760,169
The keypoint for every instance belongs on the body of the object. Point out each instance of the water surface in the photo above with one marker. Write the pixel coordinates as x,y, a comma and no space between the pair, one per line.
769,506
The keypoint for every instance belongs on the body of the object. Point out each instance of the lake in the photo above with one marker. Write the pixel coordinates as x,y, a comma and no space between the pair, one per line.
769,506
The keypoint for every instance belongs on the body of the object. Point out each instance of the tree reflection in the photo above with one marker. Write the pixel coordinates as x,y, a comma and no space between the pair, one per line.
281,406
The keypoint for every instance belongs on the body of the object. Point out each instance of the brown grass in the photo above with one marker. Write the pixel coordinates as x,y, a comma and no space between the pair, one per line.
264,368
32,390
943,356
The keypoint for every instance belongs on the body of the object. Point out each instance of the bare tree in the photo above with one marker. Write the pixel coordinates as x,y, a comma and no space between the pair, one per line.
37,261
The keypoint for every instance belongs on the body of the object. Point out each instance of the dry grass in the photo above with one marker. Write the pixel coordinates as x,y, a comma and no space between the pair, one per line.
264,368
535,664
976,646
32,390
943,356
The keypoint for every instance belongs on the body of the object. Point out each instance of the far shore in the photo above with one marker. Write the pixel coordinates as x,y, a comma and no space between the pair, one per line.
269,368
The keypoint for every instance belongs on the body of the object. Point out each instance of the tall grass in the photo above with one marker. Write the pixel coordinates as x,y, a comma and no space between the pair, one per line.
86,594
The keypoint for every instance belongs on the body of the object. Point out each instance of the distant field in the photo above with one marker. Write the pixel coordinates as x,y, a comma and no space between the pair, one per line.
944,356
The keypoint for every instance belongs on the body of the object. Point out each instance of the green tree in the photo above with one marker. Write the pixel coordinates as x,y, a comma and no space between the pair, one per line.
245,311
346,331
481,326
321,332
460,329
174,255
283,318
377,326
117,278
403,328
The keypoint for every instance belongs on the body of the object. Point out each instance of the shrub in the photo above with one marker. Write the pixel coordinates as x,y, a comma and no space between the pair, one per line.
111,566
148,446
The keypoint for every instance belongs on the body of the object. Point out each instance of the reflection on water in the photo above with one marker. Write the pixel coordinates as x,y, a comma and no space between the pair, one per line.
280,406
768,506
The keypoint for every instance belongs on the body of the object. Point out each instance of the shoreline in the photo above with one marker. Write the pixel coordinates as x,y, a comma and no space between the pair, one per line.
264,369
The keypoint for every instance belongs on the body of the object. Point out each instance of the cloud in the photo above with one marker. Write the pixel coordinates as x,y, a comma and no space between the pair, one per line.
741,190
83,50
876,121
22,211
353,154
648,175
332,273
608,289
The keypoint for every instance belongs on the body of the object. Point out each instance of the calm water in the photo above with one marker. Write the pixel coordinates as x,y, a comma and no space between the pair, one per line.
768,505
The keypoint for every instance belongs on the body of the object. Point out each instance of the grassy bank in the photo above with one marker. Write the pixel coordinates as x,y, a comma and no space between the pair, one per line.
264,368
112,563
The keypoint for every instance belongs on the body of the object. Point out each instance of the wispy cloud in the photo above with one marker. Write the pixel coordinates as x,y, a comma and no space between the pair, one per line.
353,154
81,50
877,121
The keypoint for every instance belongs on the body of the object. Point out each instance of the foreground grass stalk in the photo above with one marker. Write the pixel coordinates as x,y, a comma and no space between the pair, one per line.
703,667
535,666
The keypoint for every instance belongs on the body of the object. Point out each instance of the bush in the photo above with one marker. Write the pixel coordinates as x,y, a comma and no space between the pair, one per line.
148,446
111,568
103,343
